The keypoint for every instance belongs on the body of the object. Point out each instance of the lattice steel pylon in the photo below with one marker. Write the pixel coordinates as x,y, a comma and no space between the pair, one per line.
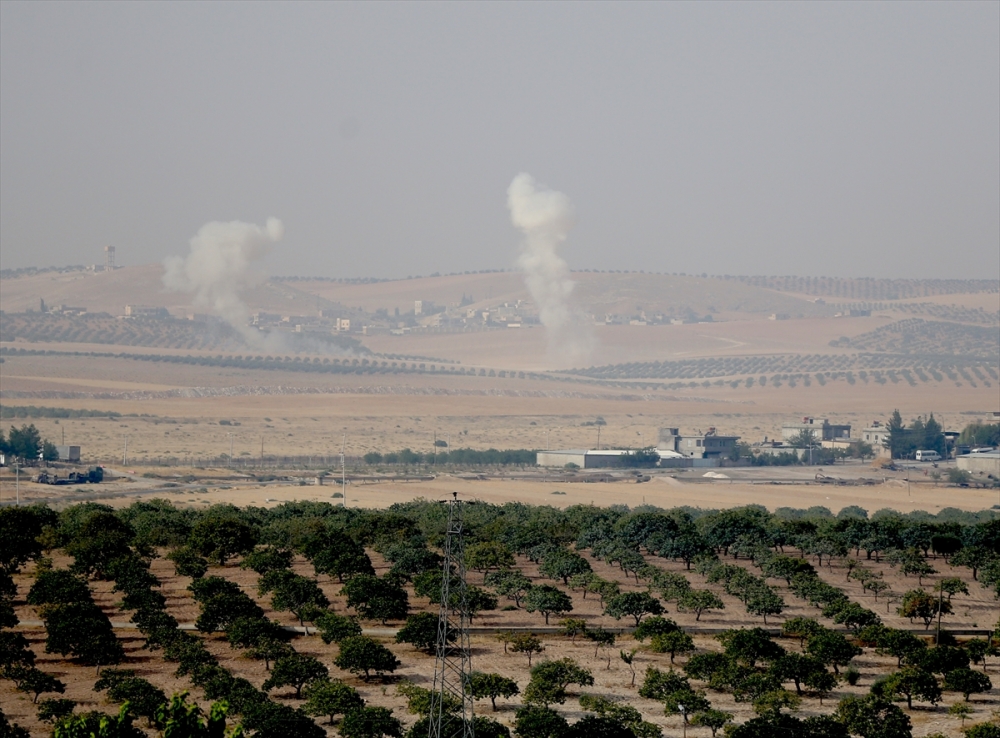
453,666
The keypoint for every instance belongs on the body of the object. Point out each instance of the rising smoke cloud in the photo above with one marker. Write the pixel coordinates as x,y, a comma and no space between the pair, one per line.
221,265
546,217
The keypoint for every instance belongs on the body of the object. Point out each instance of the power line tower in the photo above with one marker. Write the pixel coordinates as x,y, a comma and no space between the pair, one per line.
109,258
454,657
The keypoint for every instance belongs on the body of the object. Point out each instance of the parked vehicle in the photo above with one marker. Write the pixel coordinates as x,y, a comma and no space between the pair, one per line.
928,456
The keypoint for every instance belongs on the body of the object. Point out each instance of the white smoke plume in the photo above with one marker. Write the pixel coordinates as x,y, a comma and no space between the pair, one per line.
546,217
221,264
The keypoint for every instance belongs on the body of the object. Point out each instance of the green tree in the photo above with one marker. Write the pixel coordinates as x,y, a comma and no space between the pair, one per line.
535,721
549,680
714,720
25,443
299,595
326,697
376,599
633,604
509,583
82,630
872,717
361,654
295,670
750,645
20,528
832,648
143,698
560,563
920,604
263,560
370,722
700,601
673,643
219,539
910,682
547,600
685,702
899,643
527,643
801,628
188,563
658,684
421,630
53,709
490,686
967,682
982,730
488,555
334,628
33,681
15,651
178,717
97,725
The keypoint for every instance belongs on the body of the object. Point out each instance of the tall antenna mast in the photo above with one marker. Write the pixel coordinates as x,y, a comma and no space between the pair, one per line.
343,472
453,666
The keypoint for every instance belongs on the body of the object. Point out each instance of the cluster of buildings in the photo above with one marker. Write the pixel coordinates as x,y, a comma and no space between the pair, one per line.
712,449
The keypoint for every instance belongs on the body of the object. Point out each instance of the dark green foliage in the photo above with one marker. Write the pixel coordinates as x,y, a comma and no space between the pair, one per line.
376,599
263,560
370,722
658,684
220,610
549,680
560,563
334,628
188,562
221,538
967,681
748,646
491,686
872,717
633,604
673,643
909,682
179,717
982,730
101,539
832,648
533,721
20,528
144,699
250,632
33,681
299,595
899,643
509,583
326,697
53,709
295,670
57,586
655,625
15,650
13,730
97,725
420,630
547,600
336,554
82,630
488,555
361,654
941,659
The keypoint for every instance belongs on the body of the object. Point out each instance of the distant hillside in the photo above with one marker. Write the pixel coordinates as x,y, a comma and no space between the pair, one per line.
872,289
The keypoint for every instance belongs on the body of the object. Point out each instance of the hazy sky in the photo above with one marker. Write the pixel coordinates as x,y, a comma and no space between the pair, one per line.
856,139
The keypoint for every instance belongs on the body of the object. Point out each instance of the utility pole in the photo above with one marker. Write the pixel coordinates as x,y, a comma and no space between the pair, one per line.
453,665
17,480
343,472
598,438
125,452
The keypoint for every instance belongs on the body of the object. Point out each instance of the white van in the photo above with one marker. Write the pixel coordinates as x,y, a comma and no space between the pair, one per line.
928,456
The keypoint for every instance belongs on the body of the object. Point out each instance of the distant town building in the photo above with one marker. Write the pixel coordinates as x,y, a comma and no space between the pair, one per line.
146,311
821,430
582,458
708,445
983,461
877,435
69,453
